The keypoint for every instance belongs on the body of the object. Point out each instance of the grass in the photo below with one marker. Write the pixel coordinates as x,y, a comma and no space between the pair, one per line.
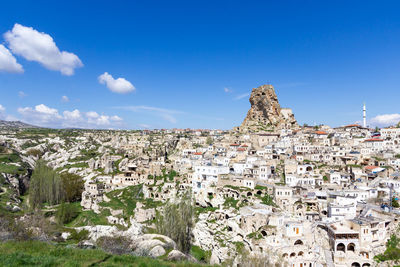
36,253
90,218
124,199
230,202
8,158
11,169
200,254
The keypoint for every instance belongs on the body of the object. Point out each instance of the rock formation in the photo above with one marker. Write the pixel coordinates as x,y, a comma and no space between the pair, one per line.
265,112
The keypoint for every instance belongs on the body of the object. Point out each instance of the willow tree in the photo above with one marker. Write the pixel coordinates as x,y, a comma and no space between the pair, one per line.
45,186
177,222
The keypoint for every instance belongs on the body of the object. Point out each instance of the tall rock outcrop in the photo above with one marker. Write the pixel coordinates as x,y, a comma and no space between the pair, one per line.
265,112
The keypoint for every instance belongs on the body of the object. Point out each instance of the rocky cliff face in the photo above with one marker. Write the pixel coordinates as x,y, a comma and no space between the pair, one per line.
265,112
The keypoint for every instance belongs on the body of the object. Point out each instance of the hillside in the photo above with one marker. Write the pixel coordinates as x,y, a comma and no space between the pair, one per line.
36,253
16,124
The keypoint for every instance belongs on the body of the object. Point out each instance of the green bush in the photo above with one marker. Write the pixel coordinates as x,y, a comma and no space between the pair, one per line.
79,235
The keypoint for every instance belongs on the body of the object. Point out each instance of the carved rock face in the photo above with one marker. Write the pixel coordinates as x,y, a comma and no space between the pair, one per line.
265,111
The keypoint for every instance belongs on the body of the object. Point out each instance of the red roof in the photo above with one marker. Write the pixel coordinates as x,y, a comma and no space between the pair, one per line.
234,144
353,125
197,153
371,167
320,132
373,140
241,149
244,145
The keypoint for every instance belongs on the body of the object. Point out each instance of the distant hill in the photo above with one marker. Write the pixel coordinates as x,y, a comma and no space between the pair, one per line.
15,124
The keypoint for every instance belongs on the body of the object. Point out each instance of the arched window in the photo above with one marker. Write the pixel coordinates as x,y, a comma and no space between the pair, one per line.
298,242
341,247
351,247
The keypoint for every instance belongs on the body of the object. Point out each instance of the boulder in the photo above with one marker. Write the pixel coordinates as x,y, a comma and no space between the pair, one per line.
157,251
176,255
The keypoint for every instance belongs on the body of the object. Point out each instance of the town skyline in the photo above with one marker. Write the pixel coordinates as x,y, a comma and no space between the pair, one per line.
134,72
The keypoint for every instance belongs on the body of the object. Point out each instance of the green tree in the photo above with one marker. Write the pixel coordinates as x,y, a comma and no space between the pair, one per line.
177,221
72,185
395,203
66,212
45,186
209,140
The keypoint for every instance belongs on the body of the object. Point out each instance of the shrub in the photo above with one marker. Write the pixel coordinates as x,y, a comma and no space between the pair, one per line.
79,235
34,152
115,245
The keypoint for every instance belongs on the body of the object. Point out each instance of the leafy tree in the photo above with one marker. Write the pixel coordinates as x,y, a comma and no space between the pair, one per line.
72,185
45,186
392,251
209,140
177,222
395,204
66,212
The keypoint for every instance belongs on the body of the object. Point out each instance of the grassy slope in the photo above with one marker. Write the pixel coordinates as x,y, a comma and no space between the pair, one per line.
35,253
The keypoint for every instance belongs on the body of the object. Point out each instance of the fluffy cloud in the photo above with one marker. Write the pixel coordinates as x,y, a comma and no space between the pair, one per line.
102,120
40,47
385,120
43,115
227,90
2,109
120,85
8,62
64,98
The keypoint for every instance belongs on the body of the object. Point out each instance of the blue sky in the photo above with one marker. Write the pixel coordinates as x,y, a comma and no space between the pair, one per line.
194,63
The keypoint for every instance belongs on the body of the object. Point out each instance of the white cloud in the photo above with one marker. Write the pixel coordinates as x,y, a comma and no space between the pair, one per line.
145,126
64,98
4,116
43,115
242,96
2,112
8,62
40,47
120,85
166,114
116,118
22,94
385,120
169,118
102,120
227,90
92,114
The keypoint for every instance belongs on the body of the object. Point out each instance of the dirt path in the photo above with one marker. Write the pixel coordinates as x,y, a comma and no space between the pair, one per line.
4,190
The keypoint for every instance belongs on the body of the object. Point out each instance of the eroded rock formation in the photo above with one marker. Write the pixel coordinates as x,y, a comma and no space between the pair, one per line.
265,112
